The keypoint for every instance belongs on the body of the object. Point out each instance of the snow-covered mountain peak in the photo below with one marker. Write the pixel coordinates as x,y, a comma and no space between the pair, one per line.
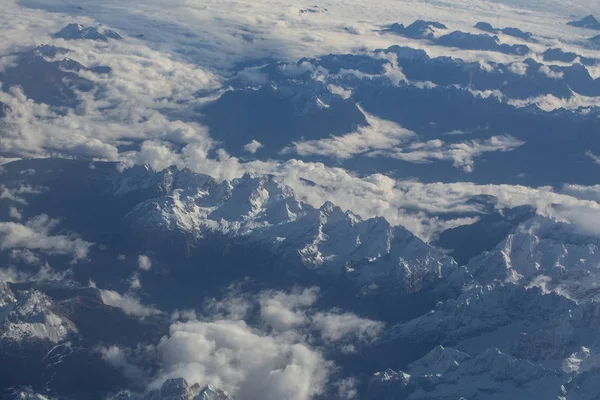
211,393
180,389
80,32
33,316
261,210
543,252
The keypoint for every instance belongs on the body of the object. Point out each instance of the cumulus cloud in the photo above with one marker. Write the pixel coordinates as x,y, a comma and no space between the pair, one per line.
17,194
129,304
275,358
253,146
544,69
35,234
285,311
294,312
14,213
233,356
335,327
347,388
144,262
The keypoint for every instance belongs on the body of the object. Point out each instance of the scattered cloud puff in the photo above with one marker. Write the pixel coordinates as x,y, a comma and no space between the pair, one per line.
544,69
17,194
118,358
144,262
285,311
593,157
134,282
130,305
35,234
25,255
253,146
45,273
335,327
14,213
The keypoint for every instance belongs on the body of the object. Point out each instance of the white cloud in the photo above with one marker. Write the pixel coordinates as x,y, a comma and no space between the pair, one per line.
253,146
544,69
380,134
388,139
129,103
591,193
130,305
519,68
144,262
25,255
347,388
340,91
293,312
286,311
585,220
118,358
35,235
278,359
462,154
334,327
550,103
232,356
134,282
14,213
16,194
593,156
45,274
161,73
